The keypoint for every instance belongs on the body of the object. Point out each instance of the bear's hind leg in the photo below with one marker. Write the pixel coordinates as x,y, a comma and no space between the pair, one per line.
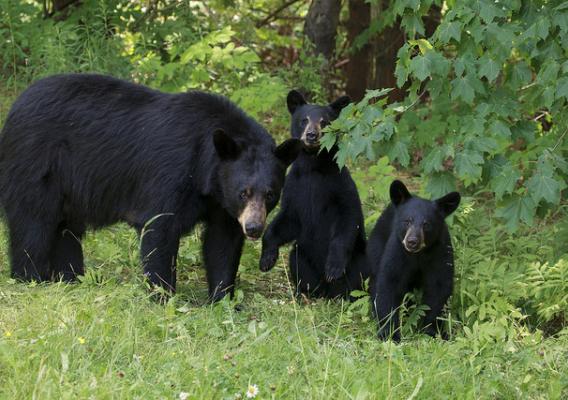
303,276
66,256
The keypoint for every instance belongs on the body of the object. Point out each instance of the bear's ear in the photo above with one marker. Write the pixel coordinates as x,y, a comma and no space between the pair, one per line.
225,146
288,150
449,203
340,103
399,193
294,100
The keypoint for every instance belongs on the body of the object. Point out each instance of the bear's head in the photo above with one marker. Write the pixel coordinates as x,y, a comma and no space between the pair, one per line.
419,222
251,179
309,119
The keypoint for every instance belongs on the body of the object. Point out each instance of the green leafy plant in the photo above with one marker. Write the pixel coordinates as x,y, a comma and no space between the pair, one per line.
492,83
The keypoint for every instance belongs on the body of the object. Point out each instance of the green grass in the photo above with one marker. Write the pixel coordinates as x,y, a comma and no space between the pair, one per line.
104,338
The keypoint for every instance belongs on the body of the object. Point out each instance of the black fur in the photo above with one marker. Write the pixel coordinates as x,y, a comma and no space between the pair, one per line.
428,265
86,151
320,212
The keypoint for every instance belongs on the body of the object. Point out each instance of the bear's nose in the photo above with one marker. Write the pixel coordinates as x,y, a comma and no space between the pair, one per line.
311,136
412,242
253,230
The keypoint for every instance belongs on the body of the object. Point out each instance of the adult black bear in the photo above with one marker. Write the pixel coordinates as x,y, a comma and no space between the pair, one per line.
410,247
320,211
81,151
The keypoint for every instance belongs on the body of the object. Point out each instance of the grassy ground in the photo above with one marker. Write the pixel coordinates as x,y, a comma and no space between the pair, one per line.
104,338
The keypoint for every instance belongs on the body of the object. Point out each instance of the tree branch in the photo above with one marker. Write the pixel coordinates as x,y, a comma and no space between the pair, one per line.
270,17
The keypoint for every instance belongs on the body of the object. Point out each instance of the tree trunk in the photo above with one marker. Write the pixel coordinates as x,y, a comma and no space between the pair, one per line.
59,5
386,48
359,65
321,25
387,45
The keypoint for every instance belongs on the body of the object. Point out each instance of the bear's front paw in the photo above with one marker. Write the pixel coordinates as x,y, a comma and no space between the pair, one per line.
334,270
268,259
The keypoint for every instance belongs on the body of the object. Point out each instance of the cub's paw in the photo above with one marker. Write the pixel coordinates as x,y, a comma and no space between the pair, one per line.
268,259
334,270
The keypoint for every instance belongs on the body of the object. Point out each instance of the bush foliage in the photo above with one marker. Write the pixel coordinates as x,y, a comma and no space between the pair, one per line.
488,93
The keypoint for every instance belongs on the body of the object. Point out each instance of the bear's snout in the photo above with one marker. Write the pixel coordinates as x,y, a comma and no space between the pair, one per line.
253,219
413,240
253,230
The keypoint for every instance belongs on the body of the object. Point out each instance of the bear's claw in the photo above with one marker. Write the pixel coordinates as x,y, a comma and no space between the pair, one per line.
267,260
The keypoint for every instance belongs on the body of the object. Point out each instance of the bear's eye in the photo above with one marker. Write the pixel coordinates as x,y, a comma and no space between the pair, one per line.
305,121
407,222
426,225
244,195
324,123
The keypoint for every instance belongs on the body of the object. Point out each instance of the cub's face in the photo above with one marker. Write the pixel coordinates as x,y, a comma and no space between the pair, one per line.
419,222
308,120
251,179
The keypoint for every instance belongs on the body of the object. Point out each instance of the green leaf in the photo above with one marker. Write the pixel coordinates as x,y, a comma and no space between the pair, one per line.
542,26
433,162
462,88
373,94
521,75
562,88
505,182
440,184
328,140
468,165
548,96
412,23
399,151
548,72
499,128
420,67
440,65
516,208
401,73
488,12
449,30
370,114
424,45
489,69
562,6
544,187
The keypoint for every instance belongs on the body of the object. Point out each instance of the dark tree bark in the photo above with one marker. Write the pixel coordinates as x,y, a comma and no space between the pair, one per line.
387,45
50,7
321,25
359,66
59,5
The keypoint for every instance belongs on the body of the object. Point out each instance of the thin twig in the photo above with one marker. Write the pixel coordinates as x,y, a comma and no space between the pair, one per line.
273,14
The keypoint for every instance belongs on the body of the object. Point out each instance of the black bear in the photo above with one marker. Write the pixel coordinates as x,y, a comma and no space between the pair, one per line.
82,151
410,247
320,211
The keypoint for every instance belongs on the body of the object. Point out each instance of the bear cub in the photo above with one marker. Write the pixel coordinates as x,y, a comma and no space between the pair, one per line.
410,248
320,211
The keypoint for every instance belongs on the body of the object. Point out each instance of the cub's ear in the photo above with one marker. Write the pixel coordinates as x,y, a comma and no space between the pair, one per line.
294,100
399,193
288,150
340,103
449,203
225,146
